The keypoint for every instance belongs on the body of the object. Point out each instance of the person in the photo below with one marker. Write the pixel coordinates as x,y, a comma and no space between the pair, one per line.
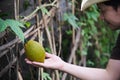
110,12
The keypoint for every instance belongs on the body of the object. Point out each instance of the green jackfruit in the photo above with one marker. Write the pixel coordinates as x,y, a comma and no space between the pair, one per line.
34,51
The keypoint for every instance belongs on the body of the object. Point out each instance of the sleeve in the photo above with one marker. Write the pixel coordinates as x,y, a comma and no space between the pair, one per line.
116,50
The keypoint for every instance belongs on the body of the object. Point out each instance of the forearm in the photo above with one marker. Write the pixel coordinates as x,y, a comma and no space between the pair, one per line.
85,73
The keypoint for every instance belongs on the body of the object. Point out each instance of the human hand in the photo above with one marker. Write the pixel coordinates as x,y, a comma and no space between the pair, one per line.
52,61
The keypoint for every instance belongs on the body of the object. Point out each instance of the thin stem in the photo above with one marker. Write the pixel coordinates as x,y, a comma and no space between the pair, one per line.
38,8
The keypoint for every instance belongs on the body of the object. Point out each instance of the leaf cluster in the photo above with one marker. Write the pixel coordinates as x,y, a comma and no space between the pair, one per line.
13,25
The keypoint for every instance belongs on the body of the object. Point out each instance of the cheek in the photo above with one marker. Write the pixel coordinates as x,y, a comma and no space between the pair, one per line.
113,21
108,19
112,18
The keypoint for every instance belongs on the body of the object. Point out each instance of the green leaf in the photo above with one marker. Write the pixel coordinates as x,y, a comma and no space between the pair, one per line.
69,32
15,27
65,17
97,53
71,19
84,52
27,24
3,25
45,11
15,23
90,63
46,76
73,22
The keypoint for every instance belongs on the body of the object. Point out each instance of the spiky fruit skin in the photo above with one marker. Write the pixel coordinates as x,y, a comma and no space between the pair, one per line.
34,51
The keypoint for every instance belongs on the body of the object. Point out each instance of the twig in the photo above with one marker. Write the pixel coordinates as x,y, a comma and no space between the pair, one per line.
19,76
7,67
14,59
37,9
60,40
15,40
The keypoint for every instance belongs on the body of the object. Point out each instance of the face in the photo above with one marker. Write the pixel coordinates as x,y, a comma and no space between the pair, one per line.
110,15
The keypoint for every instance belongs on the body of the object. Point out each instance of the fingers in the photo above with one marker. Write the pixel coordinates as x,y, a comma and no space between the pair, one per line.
36,64
28,61
48,55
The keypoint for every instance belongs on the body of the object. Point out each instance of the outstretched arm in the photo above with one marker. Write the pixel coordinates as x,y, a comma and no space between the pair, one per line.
112,71
52,61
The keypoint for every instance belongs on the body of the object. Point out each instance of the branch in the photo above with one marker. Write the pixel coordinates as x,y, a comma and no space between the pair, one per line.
37,9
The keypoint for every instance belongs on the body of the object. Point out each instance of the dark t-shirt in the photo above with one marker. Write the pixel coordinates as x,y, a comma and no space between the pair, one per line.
116,50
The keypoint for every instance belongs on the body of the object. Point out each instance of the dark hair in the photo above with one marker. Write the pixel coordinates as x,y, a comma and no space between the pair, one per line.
114,3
